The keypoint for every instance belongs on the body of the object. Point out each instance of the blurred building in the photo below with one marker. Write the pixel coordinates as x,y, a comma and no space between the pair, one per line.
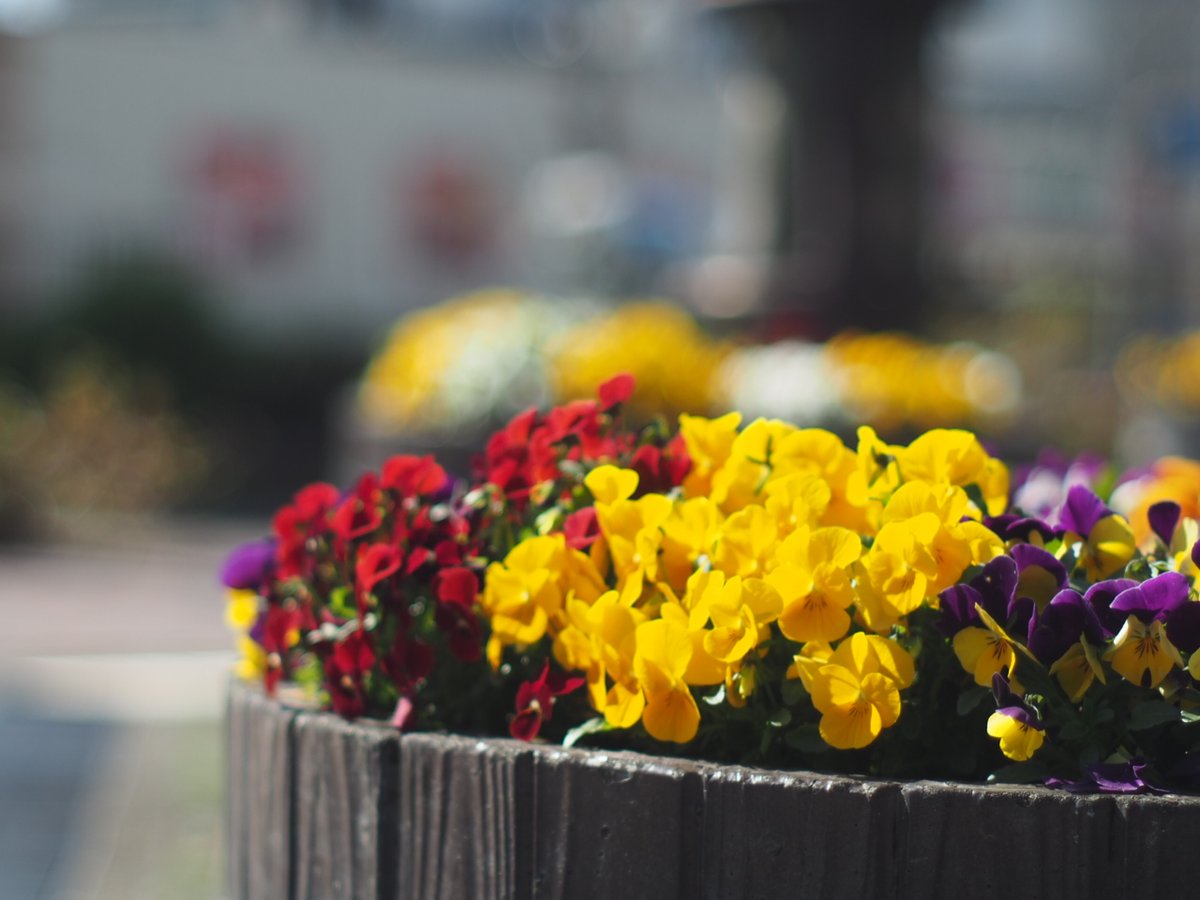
1068,159
330,164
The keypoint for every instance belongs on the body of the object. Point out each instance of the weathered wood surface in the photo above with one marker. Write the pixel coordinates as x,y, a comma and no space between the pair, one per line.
320,808
261,794
344,826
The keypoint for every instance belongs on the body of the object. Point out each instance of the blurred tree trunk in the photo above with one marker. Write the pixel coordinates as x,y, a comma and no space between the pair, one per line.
849,218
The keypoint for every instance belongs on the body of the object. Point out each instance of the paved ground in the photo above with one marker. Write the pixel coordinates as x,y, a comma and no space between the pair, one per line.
111,684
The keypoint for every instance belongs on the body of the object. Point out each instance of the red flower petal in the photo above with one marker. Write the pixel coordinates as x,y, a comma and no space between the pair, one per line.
581,528
616,390
525,725
458,585
413,475
375,563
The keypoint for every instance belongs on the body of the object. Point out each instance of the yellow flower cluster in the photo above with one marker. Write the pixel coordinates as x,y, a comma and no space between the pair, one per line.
459,362
892,379
778,530
1170,478
1163,370
631,339
241,612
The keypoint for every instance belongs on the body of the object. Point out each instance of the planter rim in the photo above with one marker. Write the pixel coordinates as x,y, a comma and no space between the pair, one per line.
633,760
320,807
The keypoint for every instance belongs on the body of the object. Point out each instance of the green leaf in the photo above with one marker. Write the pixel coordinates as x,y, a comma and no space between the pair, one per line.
341,602
310,674
781,719
971,698
1029,772
548,521
806,739
1151,713
792,691
1073,731
598,725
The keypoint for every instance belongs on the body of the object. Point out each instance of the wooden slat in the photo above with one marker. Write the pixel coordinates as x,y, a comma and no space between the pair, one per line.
464,818
260,803
614,825
345,809
769,834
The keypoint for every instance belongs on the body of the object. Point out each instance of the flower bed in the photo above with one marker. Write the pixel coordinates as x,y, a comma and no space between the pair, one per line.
324,808
763,595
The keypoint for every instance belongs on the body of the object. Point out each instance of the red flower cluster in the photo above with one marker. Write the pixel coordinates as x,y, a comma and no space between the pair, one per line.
353,575
363,592
530,451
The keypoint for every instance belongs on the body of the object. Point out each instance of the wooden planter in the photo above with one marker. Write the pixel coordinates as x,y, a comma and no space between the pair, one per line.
322,809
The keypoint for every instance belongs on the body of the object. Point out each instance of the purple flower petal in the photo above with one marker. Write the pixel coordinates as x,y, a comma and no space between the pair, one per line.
1023,715
1164,516
1153,599
1183,628
1057,627
1020,614
1012,527
1026,555
1110,778
958,609
1082,511
1101,595
249,565
997,584
1003,693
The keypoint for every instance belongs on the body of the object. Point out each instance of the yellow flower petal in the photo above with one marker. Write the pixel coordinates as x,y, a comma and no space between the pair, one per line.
672,716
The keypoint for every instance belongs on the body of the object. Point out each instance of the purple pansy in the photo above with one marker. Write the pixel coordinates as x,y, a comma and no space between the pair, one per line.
1040,572
1101,595
1060,625
993,589
1013,527
1183,628
1163,597
1082,511
1111,778
1163,518
1155,598
249,565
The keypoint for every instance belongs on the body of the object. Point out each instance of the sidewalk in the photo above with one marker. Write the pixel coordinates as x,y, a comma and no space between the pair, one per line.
111,693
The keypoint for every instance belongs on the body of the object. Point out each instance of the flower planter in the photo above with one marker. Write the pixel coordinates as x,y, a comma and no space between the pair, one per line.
322,808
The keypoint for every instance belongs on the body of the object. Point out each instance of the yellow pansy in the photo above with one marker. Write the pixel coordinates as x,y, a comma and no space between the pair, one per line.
740,480
241,609
708,442
1077,669
813,581
798,499
1108,547
1019,734
854,709
900,567
953,456
609,484
1142,654
252,659
660,659
747,543
689,532
522,593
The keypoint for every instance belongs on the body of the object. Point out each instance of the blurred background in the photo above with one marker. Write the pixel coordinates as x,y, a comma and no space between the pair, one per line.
246,244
